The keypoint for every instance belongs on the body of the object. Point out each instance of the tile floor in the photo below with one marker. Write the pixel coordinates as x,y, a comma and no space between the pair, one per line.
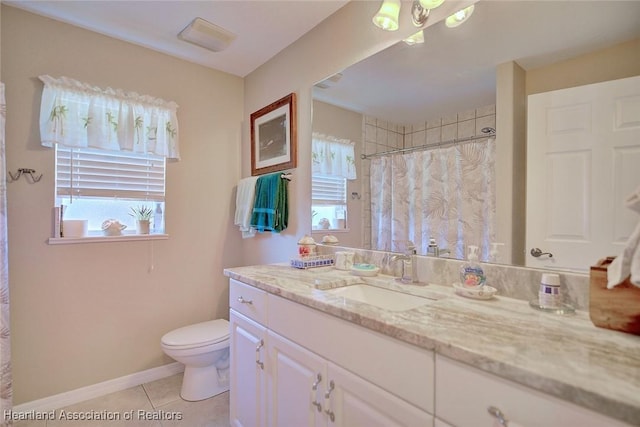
145,403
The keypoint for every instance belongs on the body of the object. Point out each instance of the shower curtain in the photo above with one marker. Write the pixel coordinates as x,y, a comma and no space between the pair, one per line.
6,390
443,193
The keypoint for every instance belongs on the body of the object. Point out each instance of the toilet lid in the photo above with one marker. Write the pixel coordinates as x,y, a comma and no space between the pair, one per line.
199,334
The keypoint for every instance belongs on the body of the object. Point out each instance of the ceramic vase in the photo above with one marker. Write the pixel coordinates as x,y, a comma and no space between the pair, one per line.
142,226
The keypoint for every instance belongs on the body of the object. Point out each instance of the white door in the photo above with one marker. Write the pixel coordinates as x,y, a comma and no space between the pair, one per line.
354,402
583,160
296,385
248,392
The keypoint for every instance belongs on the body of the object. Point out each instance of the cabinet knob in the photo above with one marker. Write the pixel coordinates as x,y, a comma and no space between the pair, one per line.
498,415
317,382
327,395
244,301
331,415
314,387
258,362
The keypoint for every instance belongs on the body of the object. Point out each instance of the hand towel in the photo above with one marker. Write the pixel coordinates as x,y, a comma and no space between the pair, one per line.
270,210
245,196
628,262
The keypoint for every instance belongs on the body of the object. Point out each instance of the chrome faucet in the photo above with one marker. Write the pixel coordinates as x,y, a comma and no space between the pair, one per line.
409,268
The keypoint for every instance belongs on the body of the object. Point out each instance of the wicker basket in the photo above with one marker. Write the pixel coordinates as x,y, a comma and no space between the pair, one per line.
617,308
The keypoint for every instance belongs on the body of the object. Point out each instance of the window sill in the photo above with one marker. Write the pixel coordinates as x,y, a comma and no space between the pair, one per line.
103,239
330,230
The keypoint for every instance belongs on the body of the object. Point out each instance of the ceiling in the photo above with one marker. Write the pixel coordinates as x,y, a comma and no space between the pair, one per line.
263,27
452,70
455,69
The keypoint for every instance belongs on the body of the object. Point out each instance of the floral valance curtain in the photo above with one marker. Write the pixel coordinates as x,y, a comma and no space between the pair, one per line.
78,115
332,156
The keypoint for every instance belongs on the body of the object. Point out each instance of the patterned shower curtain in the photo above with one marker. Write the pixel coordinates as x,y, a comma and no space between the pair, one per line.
6,390
443,193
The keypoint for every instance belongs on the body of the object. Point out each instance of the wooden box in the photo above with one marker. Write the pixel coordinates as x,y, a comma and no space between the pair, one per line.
617,308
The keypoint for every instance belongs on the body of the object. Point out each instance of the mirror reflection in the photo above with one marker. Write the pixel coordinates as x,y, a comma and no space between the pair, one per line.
443,93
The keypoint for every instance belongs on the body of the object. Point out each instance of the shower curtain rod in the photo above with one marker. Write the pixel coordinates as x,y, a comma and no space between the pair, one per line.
491,134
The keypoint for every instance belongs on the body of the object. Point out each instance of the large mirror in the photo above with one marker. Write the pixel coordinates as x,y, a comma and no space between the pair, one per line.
454,73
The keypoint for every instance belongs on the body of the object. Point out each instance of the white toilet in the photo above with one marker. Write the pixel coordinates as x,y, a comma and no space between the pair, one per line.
203,348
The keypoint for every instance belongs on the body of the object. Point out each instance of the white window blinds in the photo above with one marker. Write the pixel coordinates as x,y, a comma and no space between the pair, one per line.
82,172
328,190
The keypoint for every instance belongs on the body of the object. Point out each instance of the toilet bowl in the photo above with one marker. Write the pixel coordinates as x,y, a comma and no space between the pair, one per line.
203,348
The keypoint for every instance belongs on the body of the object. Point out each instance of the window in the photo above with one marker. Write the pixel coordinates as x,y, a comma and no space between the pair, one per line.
98,185
111,148
329,202
332,164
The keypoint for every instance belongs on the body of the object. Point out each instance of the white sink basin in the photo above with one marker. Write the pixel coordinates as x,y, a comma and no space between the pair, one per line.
380,297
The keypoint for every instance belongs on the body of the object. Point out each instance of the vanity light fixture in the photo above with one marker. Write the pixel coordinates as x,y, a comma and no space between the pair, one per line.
207,35
459,17
419,13
415,39
387,16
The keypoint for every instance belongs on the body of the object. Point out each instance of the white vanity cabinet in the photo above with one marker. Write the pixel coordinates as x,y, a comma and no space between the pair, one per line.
248,385
307,390
300,367
465,394
248,378
296,385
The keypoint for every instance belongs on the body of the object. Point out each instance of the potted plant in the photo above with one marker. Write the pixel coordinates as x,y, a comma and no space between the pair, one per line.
143,215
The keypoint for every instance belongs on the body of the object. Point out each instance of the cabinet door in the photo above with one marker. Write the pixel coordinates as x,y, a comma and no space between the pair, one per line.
354,402
248,389
296,384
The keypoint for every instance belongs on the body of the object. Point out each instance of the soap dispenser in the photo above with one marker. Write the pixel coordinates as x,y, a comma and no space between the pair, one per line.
432,249
471,274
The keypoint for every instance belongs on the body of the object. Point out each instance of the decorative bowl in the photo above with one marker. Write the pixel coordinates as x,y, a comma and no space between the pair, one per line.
365,270
479,292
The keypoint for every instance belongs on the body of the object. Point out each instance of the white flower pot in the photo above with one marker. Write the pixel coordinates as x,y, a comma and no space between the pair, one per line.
142,226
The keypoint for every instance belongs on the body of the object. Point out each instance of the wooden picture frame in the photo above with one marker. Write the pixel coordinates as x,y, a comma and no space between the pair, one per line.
274,137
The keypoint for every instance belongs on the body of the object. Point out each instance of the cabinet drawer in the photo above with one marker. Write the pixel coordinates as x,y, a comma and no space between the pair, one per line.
250,301
464,394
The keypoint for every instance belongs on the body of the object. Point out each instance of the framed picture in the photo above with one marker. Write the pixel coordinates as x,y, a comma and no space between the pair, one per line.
273,137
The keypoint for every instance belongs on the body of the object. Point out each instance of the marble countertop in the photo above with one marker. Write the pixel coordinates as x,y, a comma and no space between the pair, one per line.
562,355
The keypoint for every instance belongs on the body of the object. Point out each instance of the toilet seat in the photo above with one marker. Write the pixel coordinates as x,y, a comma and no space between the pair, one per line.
197,335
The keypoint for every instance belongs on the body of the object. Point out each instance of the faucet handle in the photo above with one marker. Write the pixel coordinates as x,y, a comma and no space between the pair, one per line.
411,248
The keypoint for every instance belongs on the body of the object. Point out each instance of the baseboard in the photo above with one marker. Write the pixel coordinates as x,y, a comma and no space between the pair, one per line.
62,400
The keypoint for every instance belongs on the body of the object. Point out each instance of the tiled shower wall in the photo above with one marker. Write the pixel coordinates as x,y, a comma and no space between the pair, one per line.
380,136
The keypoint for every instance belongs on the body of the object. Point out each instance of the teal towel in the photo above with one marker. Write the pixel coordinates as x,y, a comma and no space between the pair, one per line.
270,208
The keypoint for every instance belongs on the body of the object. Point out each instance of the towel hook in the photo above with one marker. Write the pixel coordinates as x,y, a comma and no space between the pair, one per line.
25,171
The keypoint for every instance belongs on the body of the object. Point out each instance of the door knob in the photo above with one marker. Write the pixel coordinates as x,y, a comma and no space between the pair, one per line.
537,253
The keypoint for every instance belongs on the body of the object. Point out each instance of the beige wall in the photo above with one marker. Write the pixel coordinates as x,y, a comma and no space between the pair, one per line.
82,314
510,152
345,124
616,62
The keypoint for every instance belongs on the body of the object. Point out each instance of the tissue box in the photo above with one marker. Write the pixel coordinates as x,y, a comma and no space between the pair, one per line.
617,308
